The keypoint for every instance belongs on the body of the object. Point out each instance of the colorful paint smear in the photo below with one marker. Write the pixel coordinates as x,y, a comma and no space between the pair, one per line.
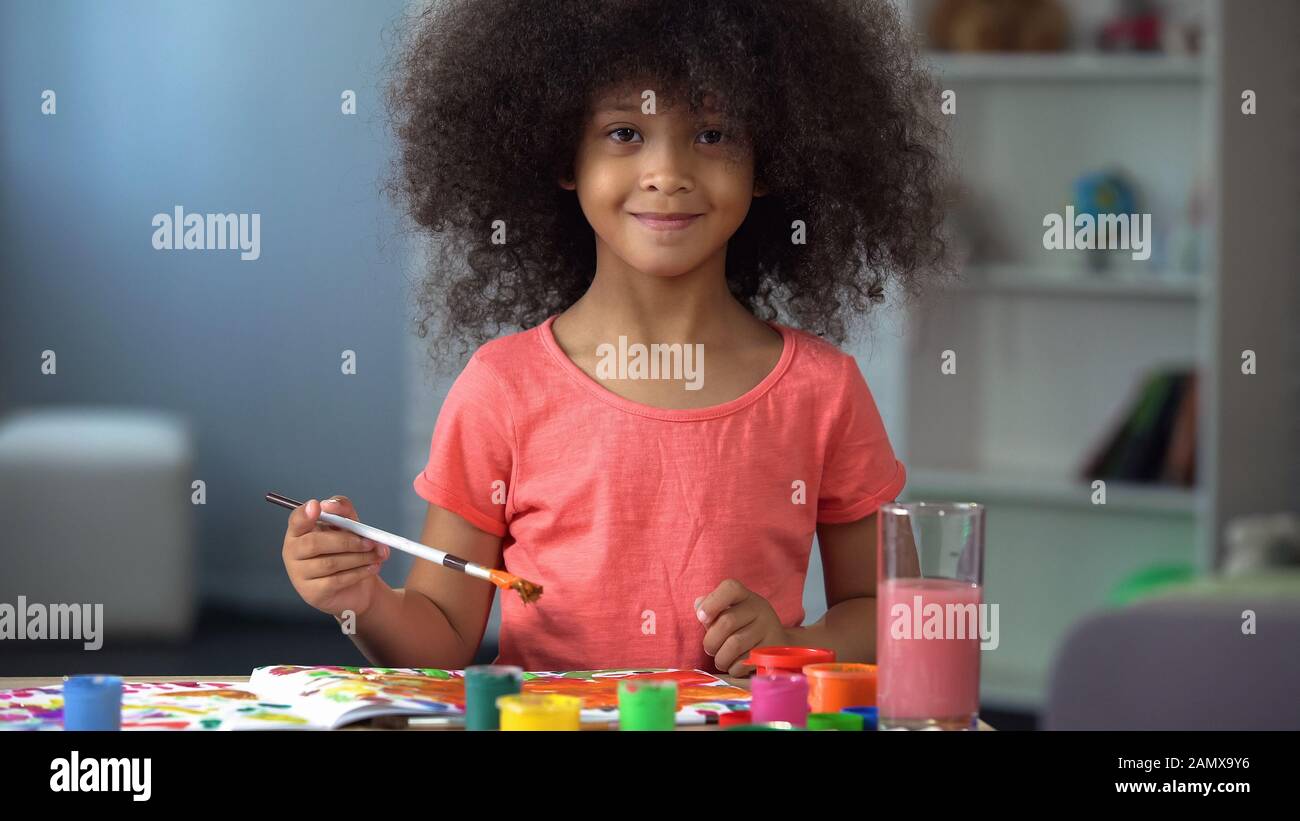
325,697
443,691
152,705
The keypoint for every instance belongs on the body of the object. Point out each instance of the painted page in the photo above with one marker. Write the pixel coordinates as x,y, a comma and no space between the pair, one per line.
154,705
317,698
332,696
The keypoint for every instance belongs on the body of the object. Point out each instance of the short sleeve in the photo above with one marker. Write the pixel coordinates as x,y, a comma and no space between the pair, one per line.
860,472
471,456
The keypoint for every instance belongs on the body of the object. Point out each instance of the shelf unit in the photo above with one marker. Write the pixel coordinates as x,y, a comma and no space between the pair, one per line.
1070,67
1049,353
1012,280
1048,490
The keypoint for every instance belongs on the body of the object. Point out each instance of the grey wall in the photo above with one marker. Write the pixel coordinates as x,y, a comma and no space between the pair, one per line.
229,107
1255,438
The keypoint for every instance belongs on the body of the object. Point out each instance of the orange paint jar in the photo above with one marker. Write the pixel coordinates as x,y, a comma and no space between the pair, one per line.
832,687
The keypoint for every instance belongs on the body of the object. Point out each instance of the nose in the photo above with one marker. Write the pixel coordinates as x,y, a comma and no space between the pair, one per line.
667,170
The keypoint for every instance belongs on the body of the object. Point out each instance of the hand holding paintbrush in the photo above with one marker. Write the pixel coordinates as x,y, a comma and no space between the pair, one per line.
357,560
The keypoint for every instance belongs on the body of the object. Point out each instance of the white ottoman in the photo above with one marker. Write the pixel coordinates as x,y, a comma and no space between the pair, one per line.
95,508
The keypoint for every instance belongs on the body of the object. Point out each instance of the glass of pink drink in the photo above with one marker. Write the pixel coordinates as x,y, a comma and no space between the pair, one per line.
929,595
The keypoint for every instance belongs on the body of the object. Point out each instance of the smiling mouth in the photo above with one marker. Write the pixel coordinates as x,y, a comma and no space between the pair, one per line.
667,222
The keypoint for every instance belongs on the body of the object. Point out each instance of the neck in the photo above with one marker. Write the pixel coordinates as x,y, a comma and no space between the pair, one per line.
694,306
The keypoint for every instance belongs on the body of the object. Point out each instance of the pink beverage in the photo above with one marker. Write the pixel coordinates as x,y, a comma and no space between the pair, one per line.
928,682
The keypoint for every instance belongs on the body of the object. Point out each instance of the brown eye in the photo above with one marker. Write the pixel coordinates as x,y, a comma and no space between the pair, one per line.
619,130
713,131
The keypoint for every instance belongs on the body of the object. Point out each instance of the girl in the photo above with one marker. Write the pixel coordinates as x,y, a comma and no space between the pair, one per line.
616,176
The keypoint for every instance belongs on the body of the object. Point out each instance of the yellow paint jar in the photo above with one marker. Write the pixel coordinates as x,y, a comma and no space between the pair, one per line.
534,711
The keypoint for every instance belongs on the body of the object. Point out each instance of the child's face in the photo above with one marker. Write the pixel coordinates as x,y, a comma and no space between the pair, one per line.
630,163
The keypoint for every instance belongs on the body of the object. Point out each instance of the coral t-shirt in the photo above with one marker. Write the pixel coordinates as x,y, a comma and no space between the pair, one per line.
626,513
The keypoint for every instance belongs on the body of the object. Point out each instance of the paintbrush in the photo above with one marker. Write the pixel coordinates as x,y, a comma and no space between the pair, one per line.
527,591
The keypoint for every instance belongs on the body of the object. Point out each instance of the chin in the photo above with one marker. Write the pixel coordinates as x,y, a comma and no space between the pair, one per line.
662,271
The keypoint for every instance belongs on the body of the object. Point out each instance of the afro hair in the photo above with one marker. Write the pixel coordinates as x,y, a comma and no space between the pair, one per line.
488,99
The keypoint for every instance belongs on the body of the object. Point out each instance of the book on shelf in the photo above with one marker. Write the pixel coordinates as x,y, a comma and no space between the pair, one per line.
1154,439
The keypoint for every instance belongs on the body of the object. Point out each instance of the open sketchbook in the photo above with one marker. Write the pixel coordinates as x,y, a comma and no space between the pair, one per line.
322,698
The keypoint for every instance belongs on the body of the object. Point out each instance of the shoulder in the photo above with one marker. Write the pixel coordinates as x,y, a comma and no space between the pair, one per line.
508,360
822,362
516,373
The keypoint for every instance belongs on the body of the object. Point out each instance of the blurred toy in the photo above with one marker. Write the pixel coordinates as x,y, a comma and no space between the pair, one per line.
1103,192
1262,542
972,227
1136,28
1182,31
999,25
1187,245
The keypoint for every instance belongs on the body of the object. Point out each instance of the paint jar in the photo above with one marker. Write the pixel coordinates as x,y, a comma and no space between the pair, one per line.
92,703
734,718
768,725
868,715
832,687
779,697
647,705
484,684
540,711
789,660
835,721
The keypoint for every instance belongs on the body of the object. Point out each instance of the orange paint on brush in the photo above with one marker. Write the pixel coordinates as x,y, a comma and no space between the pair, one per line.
528,591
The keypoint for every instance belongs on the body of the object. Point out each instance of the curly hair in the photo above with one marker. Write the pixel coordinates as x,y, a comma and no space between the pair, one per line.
488,99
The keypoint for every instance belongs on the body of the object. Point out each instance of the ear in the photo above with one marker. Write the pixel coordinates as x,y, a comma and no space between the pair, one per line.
567,183
759,188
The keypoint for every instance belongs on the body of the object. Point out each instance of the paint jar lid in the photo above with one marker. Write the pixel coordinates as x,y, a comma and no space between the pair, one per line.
647,704
92,702
869,715
834,721
733,718
494,672
788,658
840,670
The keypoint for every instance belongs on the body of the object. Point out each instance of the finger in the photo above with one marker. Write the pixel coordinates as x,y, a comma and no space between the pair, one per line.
303,518
729,592
340,506
324,542
740,669
341,581
735,648
727,625
322,566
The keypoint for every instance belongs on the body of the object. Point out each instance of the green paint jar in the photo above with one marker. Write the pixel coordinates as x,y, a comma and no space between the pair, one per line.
835,721
484,683
647,705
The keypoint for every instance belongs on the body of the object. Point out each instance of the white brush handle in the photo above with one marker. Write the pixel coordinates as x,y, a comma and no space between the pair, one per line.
433,554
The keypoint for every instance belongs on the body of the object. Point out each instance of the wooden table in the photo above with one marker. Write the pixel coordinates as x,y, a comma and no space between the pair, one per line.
383,723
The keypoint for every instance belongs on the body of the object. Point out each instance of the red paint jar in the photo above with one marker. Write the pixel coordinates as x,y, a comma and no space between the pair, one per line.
787,660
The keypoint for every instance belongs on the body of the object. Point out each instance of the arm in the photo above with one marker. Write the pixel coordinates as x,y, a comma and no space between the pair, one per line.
438,618
848,554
